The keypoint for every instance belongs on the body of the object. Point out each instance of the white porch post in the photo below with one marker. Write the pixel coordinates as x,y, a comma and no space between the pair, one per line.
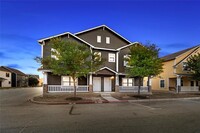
45,85
116,83
178,87
90,83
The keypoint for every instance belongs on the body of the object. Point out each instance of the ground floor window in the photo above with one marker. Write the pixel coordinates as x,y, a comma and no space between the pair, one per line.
67,81
127,81
191,83
162,83
197,83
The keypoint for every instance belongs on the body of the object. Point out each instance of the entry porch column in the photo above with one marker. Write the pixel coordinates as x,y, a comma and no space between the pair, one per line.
178,80
116,83
90,83
45,85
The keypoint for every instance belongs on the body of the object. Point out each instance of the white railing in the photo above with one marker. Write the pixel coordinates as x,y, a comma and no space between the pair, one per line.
133,89
189,88
60,88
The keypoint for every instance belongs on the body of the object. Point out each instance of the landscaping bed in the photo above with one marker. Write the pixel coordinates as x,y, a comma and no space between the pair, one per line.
68,98
154,95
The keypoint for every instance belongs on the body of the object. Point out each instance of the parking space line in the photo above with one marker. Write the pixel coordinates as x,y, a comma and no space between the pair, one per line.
141,105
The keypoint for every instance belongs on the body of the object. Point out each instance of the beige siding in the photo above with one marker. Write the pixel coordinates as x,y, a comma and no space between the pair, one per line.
5,83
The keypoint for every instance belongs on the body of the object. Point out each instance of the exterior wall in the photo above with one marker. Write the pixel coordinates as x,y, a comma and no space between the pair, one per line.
104,55
168,72
123,52
7,82
47,46
179,68
91,37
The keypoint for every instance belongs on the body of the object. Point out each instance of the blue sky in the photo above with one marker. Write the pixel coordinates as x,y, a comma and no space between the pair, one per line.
172,25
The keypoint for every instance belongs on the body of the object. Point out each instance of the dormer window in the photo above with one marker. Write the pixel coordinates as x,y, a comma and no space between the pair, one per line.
107,40
99,39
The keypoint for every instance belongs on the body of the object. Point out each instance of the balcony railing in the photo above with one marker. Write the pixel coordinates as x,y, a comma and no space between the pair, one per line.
133,89
60,88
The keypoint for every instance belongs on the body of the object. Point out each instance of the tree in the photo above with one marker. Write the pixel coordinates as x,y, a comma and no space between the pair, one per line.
143,61
193,63
71,58
32,81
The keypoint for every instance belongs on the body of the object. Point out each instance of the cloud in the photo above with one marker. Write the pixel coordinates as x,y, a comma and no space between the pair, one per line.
33,67
15,66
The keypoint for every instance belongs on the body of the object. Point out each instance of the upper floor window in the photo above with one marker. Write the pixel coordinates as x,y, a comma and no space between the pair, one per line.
186,67
107,40
53,56
99,39
111,57
127,82
125,60
97,56
7,75
162,83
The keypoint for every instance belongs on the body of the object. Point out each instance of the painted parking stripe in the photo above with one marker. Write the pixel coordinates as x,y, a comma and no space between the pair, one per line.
141,105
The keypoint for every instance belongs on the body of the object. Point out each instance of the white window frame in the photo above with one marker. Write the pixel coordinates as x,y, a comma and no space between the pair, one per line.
110,56
98,39
53,56
69,80
107,40
125,62
128,82
160,83
98,53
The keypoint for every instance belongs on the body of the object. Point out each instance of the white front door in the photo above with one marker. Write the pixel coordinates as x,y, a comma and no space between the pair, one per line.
96,84
107,84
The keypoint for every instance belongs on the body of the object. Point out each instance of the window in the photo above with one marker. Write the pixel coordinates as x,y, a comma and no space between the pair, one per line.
107,40
126,62
9,82
181,82
162,83
98,56
186,67
67,81
99,39
53,56
127,82
191,83
7,75
111,57
197,83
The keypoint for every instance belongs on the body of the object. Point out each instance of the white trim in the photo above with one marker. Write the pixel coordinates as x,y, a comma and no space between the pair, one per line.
103,27
128,45
105,49
108,69
45,78
117,62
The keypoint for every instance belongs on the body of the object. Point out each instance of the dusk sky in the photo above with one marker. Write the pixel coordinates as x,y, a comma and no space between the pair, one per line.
171,25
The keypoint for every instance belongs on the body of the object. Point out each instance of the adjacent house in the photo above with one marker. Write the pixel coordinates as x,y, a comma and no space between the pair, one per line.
18,78
5,77
109,78
176,75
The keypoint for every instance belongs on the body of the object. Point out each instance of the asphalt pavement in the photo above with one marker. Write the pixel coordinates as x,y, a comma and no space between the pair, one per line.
18,115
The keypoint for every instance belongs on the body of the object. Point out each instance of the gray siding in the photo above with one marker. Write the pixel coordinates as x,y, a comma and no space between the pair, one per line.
104,55
121,59
91,37
47,46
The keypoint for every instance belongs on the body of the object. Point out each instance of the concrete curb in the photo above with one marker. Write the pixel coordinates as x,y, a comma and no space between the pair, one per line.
166,99
120,101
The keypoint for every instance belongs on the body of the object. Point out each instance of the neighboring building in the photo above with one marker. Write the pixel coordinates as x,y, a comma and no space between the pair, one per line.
5,77
175,73
110,77
18,78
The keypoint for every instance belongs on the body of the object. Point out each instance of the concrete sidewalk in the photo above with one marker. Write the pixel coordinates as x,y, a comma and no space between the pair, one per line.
109,98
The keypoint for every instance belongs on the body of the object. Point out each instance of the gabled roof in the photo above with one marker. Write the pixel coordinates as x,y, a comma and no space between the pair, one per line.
107,69
12,70
174,55
103,26
3,69
128,45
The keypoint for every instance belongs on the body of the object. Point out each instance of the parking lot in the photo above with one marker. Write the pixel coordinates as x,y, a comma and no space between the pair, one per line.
17,114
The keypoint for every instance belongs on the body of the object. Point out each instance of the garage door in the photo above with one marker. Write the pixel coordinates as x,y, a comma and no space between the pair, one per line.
107,84
96,84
